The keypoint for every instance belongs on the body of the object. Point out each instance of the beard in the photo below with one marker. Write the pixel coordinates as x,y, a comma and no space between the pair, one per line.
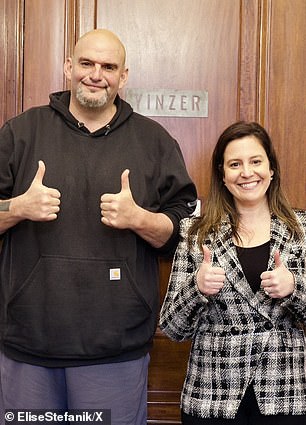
89,102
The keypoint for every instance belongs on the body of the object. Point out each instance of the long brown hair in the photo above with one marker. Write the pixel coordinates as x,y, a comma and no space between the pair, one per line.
220,203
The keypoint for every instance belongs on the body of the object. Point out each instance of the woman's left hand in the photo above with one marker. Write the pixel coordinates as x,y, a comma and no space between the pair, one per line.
277,283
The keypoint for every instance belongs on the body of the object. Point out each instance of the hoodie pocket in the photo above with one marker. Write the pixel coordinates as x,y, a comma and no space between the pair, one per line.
78,308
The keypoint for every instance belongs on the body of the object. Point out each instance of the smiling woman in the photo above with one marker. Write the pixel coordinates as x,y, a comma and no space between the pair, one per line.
238,290
247,172
244,154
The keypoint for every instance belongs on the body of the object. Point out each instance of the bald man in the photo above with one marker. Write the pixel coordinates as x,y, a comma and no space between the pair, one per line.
91,193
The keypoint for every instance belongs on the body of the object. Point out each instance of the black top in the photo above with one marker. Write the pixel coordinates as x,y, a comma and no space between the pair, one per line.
74,291
254,261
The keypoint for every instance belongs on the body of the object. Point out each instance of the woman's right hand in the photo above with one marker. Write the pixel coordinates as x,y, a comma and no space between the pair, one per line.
210,280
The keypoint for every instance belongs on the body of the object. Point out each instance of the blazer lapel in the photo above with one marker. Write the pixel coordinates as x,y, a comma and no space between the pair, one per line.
278,241
225,256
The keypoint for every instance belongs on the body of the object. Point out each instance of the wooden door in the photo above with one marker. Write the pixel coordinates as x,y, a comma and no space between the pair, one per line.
249,55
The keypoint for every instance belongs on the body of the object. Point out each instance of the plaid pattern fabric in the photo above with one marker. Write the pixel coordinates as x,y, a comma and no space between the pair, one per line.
239,337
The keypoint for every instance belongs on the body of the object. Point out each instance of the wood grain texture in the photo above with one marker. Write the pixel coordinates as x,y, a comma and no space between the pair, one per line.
44,50
286,89
11,58
248,54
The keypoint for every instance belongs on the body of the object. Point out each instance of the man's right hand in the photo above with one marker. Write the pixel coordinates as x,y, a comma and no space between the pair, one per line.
39,202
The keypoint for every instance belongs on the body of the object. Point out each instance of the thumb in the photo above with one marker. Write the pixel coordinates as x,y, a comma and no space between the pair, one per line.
277,259
125,183
38,178
207,254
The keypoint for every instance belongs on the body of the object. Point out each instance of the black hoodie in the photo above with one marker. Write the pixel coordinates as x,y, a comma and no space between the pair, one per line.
75,291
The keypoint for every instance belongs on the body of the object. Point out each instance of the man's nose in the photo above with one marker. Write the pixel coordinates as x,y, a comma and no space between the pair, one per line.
97,72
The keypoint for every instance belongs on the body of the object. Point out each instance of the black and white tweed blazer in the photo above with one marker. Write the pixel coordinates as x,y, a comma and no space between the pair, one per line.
239,337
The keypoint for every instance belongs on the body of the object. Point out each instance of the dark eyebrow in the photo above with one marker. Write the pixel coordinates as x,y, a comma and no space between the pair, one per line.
259,156
112,64
81,59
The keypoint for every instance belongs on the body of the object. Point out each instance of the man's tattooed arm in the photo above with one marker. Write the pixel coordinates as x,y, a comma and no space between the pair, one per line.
5,206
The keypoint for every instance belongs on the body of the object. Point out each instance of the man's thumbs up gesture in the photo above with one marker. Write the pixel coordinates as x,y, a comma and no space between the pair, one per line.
210,280
278,283
118,209
39,202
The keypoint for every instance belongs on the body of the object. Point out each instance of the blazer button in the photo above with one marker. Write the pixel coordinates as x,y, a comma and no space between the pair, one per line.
223,306
268,326
234,330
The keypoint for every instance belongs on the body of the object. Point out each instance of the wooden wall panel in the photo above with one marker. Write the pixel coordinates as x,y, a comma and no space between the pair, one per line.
86,18
285,106
249,53
44,50
166,376
81,16
11,58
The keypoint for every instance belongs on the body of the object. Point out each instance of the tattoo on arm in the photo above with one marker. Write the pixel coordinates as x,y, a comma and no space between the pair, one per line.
5,206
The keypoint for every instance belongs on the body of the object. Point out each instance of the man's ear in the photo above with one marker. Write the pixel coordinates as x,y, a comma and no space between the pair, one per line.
67,68
123,78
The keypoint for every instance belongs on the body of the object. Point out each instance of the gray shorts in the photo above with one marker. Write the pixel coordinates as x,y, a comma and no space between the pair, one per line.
120,388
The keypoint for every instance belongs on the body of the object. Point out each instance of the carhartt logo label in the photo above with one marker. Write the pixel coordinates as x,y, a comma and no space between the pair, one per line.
114,274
